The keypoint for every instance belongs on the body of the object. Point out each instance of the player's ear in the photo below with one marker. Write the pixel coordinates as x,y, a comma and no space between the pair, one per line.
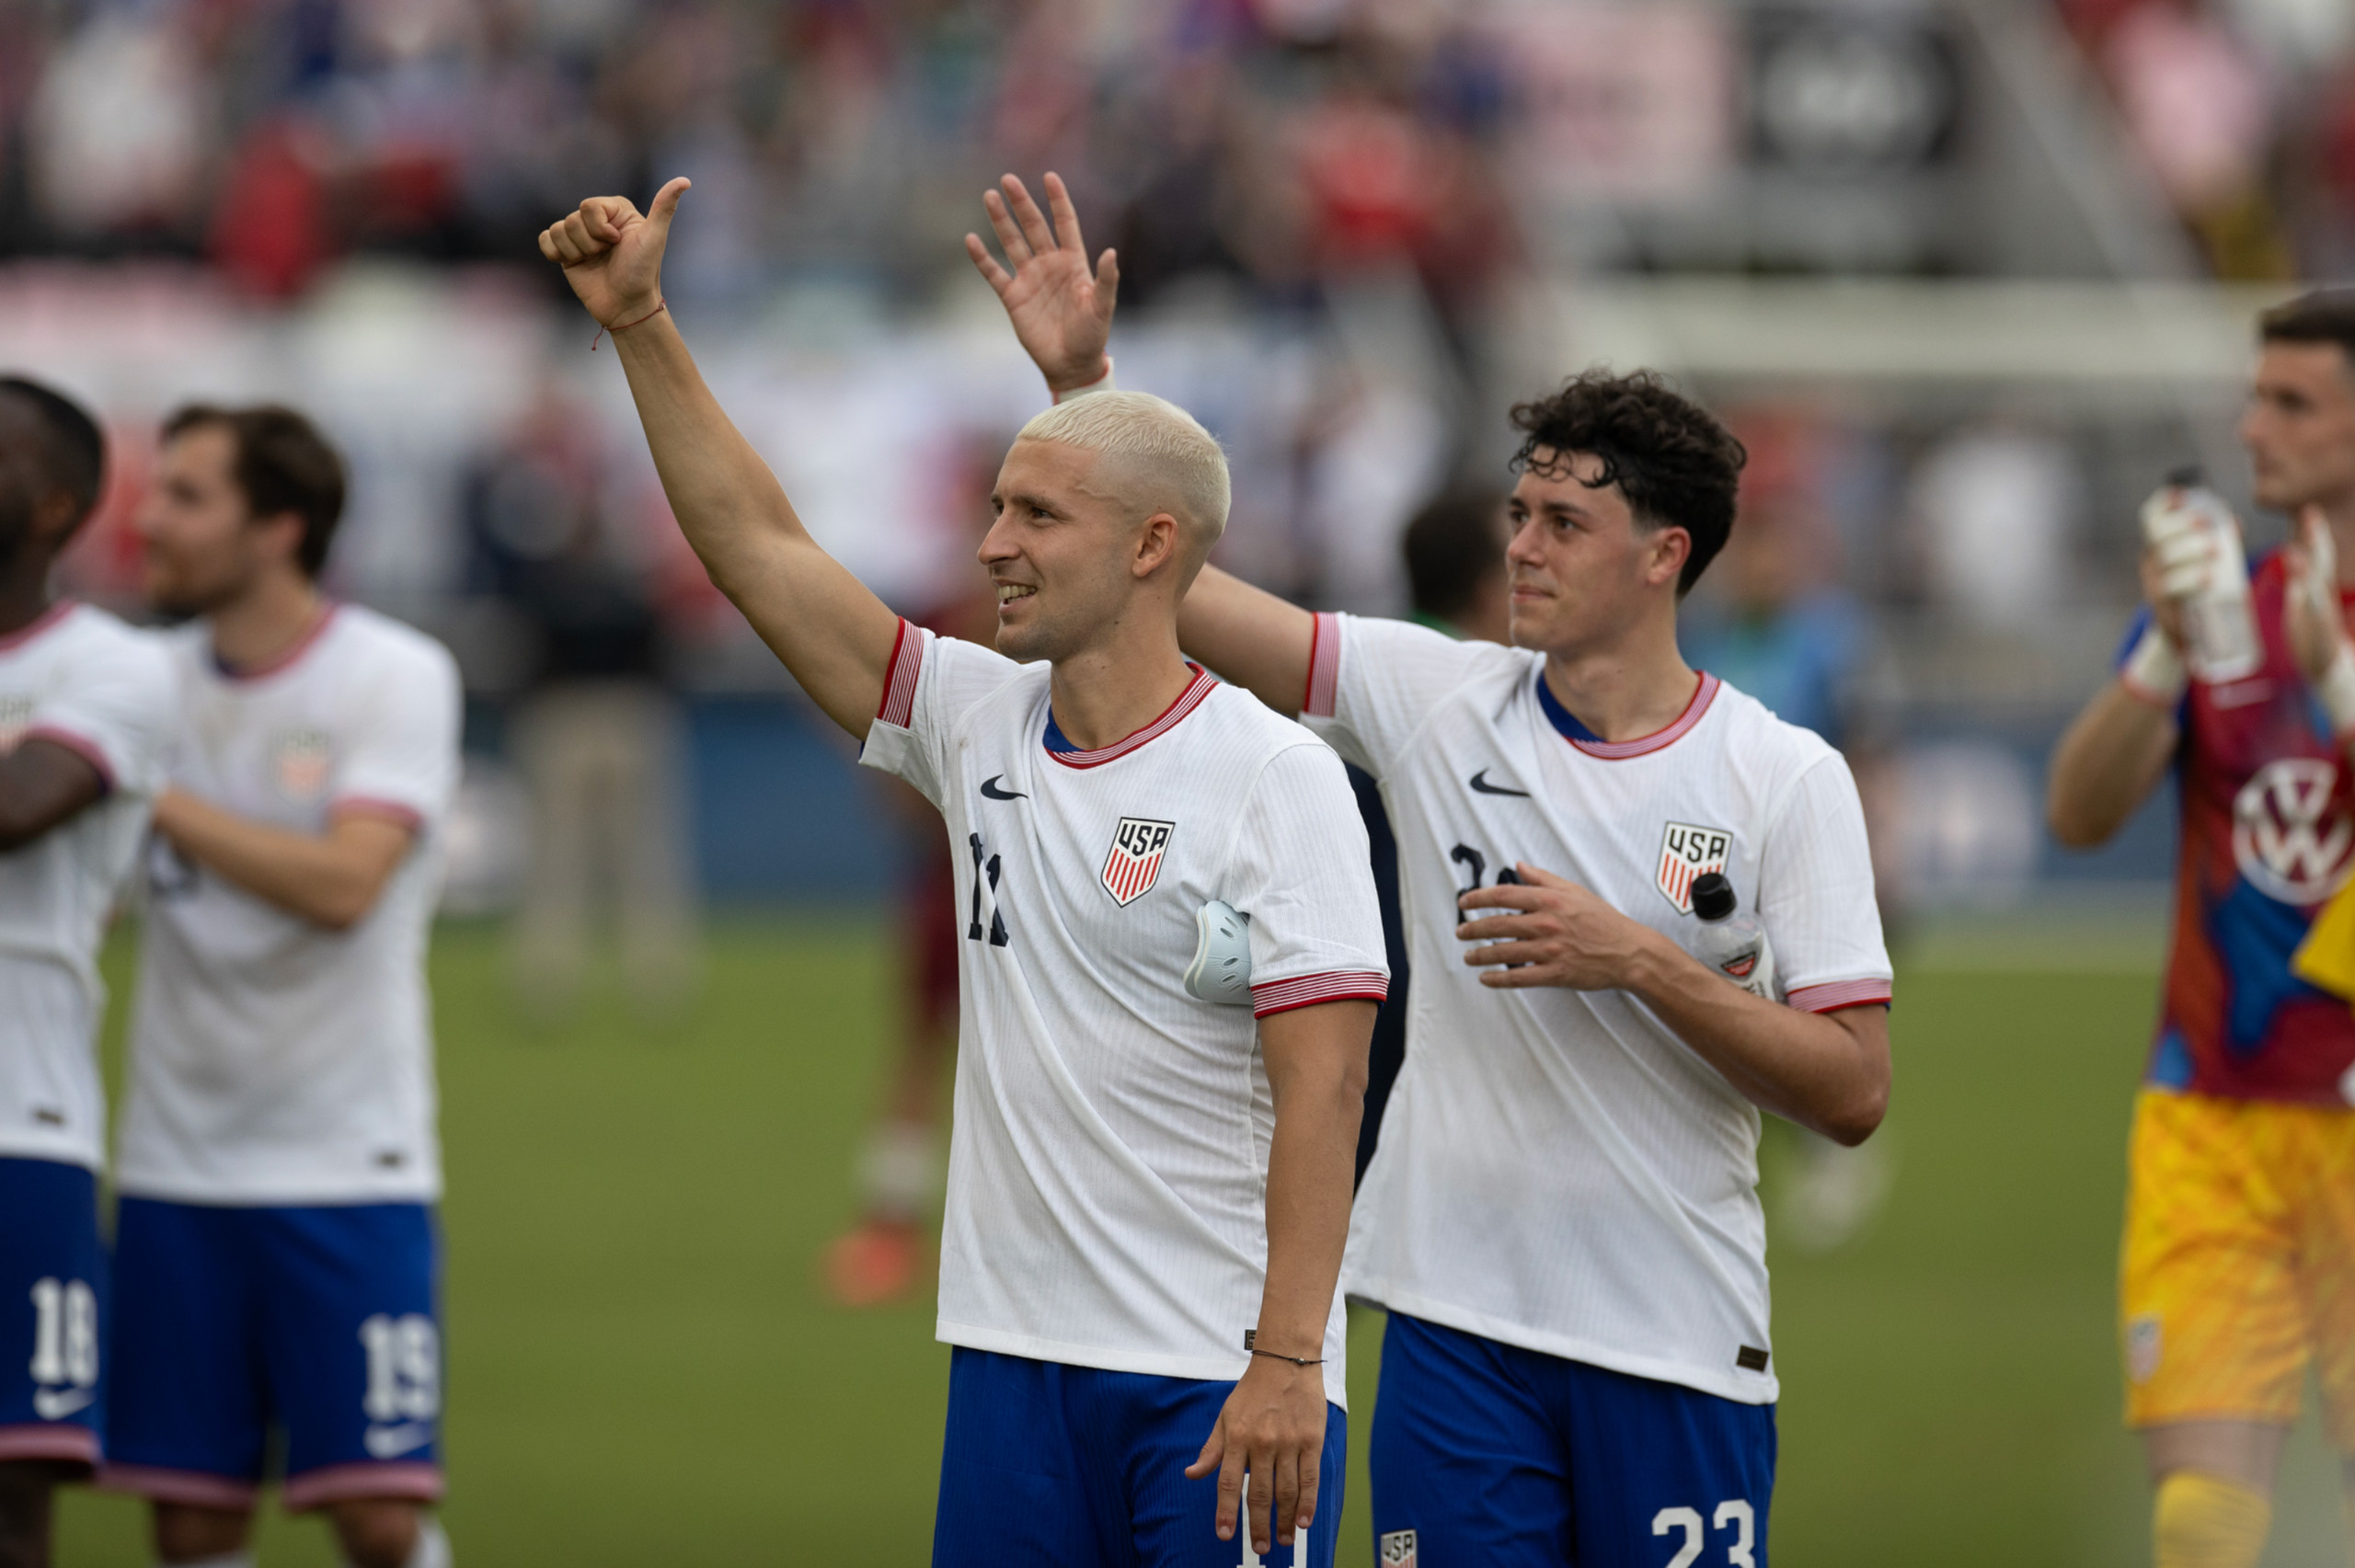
1671,547
1159,542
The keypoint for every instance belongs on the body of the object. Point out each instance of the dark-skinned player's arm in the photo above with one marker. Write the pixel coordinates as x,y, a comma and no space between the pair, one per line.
331,880
1273,1425
43,783
1062,313
1828,1072
829,629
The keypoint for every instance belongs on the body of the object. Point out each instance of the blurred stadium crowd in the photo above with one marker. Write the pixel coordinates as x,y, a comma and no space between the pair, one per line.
1352,232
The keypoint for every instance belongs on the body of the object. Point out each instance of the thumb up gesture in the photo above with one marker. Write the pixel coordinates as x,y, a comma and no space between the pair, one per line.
612,254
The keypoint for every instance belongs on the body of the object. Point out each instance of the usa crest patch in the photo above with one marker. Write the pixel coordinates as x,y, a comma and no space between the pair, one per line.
1138,844
1398,1549
16,717
300,764
1687,853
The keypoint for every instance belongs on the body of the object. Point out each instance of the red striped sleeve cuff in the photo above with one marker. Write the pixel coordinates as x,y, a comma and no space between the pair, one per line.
900,678
1308,990
1324,666
81,746
376,806
1838,994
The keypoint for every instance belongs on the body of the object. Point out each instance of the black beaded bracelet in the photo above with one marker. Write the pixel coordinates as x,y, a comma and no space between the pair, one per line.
1295,1360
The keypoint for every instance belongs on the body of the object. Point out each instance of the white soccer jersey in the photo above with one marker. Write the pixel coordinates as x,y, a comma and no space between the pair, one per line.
1556,1169
275,1061
1107,1172
81,678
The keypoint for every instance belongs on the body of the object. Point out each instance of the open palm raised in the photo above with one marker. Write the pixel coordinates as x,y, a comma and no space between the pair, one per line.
612,253
1062,312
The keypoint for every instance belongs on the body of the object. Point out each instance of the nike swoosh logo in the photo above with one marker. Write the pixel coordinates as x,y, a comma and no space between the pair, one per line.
56,1405
989,787
391,1442
1480,785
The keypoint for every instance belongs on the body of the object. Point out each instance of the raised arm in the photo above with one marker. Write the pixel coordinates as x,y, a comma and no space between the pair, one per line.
2113,755
829,629
1063,315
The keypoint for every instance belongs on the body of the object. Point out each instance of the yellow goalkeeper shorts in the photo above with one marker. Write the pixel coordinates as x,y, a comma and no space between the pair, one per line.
2239,1261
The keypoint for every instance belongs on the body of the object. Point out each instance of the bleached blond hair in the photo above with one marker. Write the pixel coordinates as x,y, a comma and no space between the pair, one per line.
1182,467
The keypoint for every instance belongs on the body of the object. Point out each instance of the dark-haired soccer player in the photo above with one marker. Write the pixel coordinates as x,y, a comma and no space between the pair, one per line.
276,1250
85,706
1561,1217
2239,1257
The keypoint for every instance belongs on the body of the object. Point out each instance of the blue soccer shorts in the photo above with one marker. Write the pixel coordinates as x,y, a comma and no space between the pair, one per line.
1083,1468
1490,1453
52,1301
322,1322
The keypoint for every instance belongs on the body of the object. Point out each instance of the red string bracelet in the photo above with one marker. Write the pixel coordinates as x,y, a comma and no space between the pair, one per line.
660,307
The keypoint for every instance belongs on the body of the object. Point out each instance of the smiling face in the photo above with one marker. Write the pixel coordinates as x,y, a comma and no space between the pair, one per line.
2300,426
204,547
1584,570
1065,554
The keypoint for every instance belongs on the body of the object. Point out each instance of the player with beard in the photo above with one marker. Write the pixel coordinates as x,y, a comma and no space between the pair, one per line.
1561,1217
86,705
1149,1171
2239,1258
276,1248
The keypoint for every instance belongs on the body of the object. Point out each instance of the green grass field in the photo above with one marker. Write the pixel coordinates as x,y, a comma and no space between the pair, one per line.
642,1370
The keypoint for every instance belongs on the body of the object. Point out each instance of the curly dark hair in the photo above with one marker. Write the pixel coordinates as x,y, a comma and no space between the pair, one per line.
1676,464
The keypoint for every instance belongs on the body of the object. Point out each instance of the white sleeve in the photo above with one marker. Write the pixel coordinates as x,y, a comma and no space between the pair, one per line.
401,749
116,712
930,680
1372,683
1300,869
1815,874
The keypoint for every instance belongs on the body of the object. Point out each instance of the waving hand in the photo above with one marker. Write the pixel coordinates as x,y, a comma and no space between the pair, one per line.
1062,312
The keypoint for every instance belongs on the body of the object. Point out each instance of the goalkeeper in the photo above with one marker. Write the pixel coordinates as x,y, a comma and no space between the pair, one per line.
2238,1268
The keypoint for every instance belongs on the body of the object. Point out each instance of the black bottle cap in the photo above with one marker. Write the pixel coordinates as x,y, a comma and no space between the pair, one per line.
1713,897
2189,476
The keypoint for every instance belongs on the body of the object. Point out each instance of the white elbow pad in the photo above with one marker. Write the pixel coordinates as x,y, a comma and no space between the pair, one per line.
1221,971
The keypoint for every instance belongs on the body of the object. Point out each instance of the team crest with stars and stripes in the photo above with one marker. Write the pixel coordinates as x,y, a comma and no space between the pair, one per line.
1686,854
1138,844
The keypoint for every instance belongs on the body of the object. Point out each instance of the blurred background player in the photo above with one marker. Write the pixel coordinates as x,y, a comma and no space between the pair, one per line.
596,731
277,1248
86,705
1569,1371
1148,1192
884,1255
2239,1255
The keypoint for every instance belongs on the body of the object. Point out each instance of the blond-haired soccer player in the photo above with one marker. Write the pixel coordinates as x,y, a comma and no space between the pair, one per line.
1148,1191
2239,1265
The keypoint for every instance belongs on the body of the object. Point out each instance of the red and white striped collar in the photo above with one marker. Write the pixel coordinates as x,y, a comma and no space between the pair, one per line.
286,658
43,622
1188,701
1620,751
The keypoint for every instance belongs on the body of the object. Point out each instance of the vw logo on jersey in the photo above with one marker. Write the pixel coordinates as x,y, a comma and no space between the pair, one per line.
16,717
2286,838
300,764
1687,853
1138,844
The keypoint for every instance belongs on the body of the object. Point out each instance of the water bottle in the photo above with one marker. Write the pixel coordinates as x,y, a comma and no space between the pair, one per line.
2217,621
1729,942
